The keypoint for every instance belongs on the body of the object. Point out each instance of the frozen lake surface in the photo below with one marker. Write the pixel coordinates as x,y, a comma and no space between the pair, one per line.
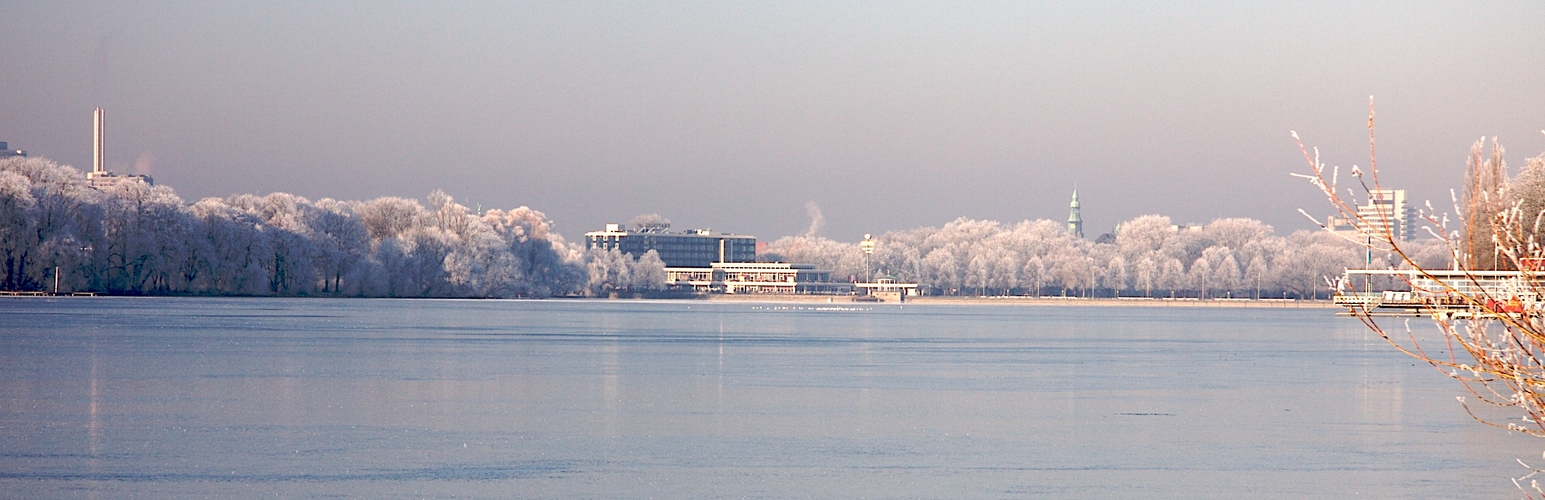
191,397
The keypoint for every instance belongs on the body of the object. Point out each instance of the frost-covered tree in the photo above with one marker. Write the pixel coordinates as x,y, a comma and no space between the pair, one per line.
1147,275
1034,275
1526,192
1484,199
1005,274
649,272
16,228
1172,276
1116,274
843,259
1201,277
609,270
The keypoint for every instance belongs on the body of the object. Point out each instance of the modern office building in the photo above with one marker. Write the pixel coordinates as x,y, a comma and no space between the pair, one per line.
7,152
99,177
756,278
1386,210
697,248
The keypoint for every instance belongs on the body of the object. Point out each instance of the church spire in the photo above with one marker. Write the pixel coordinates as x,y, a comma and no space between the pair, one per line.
1075,218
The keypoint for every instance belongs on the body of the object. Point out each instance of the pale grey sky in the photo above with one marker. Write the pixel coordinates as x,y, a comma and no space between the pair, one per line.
733,116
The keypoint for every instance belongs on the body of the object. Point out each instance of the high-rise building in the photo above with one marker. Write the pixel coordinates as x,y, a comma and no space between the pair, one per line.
694,248
99,177
1385,211
1075,217
98,128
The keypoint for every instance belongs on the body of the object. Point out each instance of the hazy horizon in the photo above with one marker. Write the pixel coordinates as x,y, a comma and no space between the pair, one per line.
734,117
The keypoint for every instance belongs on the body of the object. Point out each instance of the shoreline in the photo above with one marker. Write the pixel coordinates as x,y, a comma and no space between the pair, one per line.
1040,301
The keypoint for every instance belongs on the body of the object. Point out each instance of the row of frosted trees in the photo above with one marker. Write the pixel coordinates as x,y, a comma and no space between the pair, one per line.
56,230
1149,256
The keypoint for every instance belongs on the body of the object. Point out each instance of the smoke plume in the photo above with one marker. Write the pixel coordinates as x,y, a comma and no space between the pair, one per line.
144,163
817,221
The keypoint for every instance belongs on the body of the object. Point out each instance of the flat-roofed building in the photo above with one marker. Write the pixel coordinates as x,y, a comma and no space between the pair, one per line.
6,151
101,180
887,288
757,278
697,248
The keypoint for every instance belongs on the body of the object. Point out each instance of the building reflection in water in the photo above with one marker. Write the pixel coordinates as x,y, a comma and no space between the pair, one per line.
94,424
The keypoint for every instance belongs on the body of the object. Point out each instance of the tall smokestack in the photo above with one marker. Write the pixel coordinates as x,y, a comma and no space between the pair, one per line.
96,141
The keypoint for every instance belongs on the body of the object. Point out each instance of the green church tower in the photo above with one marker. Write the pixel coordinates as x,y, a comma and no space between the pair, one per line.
1075,219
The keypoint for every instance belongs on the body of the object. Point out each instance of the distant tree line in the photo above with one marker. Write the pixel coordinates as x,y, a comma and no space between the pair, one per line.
140,239
1148,257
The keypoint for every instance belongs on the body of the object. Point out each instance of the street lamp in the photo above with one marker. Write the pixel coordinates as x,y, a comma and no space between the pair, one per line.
868,247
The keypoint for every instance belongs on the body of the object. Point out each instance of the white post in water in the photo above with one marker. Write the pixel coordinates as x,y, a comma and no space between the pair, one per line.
56,280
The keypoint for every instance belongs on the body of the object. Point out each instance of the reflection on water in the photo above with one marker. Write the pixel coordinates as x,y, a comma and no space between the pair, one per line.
381,398
1382,390
94,428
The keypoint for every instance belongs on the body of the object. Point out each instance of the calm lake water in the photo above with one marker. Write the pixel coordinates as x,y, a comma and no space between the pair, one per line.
186,397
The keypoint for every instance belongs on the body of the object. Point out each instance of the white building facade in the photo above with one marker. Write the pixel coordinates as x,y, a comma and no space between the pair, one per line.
756,278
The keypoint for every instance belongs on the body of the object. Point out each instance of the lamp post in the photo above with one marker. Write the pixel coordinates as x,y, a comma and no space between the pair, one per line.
1368,263
868,247
1090,286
